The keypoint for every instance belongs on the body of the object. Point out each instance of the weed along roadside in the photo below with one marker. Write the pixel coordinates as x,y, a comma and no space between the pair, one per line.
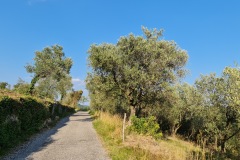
23,116
139,143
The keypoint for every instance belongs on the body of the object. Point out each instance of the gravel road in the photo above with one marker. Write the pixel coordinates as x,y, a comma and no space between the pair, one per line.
73,138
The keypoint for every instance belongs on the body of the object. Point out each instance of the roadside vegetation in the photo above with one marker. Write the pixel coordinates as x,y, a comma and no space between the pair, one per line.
28,108
140,146
22,116
143,77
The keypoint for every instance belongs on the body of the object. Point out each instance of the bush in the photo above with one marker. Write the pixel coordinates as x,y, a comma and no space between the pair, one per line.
145,126
22,117
4,85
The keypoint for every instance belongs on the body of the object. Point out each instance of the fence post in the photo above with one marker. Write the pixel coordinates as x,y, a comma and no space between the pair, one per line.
101,113
123,131
53,108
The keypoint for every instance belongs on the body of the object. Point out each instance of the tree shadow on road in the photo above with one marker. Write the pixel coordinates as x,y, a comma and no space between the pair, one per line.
42,140
89,119
36,143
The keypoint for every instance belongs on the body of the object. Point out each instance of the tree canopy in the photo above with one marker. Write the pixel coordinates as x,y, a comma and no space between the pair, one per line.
4,85
135,70
51,72
222,105
141,75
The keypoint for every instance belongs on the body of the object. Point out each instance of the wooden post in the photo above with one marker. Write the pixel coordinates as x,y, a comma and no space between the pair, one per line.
54,106
101,113
123,131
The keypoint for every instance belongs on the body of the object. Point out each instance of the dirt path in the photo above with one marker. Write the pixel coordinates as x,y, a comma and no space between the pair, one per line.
73,138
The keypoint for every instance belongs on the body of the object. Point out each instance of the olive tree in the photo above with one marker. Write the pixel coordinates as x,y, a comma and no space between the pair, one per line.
51,71
221,106
135,69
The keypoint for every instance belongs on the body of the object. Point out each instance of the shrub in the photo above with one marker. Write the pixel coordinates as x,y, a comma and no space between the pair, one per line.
145,126
4,85
24,116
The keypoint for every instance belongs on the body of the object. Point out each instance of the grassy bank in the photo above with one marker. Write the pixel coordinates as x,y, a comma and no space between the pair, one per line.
140,147
22,116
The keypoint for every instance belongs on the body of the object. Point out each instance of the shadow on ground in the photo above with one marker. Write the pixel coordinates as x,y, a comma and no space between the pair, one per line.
41,140
83,120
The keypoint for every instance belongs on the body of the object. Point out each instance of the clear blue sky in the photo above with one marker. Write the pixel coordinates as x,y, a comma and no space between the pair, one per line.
208,29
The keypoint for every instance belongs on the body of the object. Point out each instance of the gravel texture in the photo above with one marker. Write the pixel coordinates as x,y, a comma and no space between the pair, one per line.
73,138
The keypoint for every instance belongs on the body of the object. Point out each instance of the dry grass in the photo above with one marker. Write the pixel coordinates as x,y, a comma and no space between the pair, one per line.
141,147
17,96
170,149
11,94
114,121
110,130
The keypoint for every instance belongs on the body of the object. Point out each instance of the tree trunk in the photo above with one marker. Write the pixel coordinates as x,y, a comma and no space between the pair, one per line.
216,143
138,111
223,142
132,113
174,130
223,146
33,82
53,109
62,96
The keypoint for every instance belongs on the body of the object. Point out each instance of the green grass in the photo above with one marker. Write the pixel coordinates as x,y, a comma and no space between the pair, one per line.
140,147
117,151
109,129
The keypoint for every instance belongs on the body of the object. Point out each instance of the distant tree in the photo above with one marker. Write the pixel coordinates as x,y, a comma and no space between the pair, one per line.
72,98
221,112
21,87
64,85
83,99
51,67
231,77
4,85
212,117
46,88
135,70
186,102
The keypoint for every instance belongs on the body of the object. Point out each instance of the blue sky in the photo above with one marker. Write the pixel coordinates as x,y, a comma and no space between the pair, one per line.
208,30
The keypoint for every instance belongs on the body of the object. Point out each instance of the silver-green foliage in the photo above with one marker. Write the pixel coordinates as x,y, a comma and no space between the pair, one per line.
221,112
21,87
132,73
51,71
